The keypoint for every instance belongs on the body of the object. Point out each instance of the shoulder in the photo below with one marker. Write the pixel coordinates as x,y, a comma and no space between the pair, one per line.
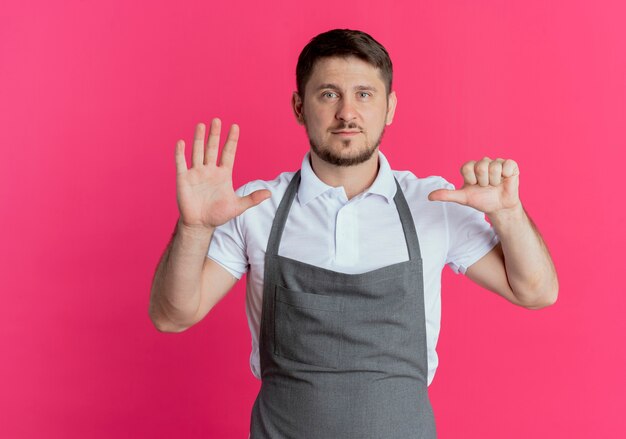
416,189
277,187
277,184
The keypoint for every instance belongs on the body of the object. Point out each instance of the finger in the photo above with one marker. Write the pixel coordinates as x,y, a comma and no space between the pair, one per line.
212,146
181,163
495,172
253,199
456,196
197,151
467,171
481,169
227,159
510,168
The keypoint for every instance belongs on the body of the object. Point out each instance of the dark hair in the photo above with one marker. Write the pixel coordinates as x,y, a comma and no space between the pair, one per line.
343,43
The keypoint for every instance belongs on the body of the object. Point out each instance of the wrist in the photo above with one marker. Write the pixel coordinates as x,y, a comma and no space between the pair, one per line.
198,230
509,215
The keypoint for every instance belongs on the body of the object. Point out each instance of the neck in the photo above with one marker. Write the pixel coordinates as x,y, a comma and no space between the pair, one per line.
354,179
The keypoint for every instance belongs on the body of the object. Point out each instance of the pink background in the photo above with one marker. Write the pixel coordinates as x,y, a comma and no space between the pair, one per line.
94,95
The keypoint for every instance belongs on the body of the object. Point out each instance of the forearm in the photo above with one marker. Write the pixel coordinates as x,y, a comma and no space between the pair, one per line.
175,293
529,267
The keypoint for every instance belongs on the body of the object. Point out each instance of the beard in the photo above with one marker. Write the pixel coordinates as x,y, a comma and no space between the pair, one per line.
326,153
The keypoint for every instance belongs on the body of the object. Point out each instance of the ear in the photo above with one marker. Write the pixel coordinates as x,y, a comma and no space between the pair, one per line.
296,105
392,101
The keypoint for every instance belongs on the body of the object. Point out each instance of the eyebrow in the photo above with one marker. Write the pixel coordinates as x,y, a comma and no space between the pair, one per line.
337,88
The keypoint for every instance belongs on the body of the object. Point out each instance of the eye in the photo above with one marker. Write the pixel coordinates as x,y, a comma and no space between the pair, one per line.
329,94
364,94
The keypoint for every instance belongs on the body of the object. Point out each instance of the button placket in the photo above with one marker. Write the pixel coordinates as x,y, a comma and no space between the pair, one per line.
346,236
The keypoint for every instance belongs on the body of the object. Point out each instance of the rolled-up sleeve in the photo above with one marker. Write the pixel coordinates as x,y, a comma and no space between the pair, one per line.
227,246
470,235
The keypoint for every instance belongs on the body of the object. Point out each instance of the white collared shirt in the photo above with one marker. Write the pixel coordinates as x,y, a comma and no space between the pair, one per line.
353,236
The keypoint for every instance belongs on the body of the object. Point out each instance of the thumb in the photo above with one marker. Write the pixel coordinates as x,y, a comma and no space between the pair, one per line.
456,196
253,199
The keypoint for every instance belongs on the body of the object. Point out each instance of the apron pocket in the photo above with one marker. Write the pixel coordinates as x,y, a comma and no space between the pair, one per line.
308,327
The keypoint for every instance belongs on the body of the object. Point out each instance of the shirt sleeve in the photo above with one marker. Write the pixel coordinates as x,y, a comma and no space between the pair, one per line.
470,235
228,247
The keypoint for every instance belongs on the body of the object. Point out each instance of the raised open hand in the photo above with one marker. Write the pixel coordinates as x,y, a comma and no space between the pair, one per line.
490,186
205,191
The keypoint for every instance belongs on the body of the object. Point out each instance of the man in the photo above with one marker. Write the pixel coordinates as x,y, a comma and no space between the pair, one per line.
345,256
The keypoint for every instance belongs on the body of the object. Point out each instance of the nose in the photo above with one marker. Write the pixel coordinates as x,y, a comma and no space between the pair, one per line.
346,110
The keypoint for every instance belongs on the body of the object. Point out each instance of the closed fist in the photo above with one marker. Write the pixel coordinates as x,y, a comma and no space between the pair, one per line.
490,186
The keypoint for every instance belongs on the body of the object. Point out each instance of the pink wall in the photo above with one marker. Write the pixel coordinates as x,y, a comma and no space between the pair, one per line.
94,95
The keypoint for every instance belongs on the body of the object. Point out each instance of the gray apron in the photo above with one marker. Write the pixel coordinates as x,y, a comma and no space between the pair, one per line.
342,355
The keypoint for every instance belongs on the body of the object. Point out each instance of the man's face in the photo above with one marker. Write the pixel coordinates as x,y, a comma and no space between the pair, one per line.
345,110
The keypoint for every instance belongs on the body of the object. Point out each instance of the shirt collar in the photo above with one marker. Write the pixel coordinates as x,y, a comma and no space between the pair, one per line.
312,187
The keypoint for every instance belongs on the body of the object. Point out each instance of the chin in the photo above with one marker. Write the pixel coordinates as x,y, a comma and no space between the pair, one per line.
342,154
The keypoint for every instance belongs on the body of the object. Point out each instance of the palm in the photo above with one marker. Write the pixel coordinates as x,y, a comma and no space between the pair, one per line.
205,192
206,197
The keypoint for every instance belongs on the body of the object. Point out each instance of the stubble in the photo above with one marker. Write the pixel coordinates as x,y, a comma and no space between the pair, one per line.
326,153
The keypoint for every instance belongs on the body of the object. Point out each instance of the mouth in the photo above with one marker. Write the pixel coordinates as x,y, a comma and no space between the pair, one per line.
345,133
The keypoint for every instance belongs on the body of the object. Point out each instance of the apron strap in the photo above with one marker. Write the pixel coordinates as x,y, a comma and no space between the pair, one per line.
281,215
408,225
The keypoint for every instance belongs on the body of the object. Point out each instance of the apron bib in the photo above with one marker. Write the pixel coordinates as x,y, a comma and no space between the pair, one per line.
343,356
